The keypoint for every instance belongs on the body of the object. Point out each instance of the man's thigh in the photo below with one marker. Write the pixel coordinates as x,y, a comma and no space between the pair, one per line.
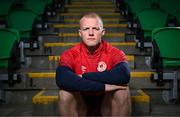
115,100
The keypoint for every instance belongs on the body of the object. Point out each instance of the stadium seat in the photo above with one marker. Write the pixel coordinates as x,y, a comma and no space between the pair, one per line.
170,6
134,7
22,20
137,5
5,6
165,60
40,7
177,17
149,19
166,52
37,6
10,53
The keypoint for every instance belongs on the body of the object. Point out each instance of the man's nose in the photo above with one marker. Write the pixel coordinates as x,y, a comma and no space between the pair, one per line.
91,32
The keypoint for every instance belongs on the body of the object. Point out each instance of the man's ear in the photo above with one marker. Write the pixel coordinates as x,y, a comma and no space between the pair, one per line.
103,32
80,32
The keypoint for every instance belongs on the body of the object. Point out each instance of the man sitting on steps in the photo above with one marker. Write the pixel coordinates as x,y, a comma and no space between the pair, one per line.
93,75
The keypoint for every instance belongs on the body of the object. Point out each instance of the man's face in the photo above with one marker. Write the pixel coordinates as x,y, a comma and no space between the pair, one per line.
91,31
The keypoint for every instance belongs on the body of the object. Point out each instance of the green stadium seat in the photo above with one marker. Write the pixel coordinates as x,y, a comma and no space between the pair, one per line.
22,20
49,2
10,52
37,6
177,17
137,5
170,6
166,51
149,19
8,38
134,7
165,59
40,7
5,6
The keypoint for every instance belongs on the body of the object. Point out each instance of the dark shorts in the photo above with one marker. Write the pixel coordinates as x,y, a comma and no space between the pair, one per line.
93,103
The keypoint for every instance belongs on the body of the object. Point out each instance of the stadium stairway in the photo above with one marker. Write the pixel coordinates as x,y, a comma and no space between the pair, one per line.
38,91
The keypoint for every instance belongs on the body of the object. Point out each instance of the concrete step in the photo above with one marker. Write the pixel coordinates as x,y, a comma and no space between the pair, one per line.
57,47
139,79
94,2
74,37
78,15
51,44
123,25
46,79
85,10
166,110
45,103
48,74
16,110
57,50
70,28
51,62
105,21
75,20
90,5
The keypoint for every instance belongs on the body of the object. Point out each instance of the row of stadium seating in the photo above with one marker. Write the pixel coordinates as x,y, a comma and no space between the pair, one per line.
144,16
37,6
155,25
133,7
20,31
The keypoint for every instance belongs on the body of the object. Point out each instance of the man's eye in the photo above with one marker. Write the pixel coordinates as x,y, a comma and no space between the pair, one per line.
84,29
96,29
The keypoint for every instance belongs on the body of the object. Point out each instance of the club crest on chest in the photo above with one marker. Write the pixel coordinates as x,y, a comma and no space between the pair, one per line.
101,66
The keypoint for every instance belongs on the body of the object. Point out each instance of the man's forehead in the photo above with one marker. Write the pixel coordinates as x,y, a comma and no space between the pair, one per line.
90,22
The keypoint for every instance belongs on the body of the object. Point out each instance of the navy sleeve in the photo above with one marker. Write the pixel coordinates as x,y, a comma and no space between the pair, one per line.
66,79
120,74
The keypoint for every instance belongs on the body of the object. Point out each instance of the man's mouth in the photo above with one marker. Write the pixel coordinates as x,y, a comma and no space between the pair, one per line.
91,39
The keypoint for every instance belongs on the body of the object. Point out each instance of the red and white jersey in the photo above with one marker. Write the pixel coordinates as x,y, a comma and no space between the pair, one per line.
81,61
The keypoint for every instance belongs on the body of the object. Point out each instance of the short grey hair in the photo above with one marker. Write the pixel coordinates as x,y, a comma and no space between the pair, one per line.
92,15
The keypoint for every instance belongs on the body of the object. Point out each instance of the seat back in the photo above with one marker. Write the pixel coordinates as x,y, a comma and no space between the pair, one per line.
150,19
168,40
5,5
177,15
37,6
22,20
137,5
7,39
170,6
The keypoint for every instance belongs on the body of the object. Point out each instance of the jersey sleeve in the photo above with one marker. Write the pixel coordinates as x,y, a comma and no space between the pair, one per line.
120,74
117,56
67,80
66,59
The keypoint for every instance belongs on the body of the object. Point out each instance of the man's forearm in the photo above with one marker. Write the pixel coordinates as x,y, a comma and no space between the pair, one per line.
120,74
68,80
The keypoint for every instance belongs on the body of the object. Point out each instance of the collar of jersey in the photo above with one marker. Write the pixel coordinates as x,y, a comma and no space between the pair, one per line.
95,53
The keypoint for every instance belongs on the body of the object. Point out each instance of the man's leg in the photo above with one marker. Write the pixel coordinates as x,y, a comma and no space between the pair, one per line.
71,104
116,103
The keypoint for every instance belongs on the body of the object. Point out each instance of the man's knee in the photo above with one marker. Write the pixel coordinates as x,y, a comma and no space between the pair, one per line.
65,96
73,101
122,95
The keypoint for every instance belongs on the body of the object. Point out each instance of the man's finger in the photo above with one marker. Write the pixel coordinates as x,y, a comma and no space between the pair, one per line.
122,87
